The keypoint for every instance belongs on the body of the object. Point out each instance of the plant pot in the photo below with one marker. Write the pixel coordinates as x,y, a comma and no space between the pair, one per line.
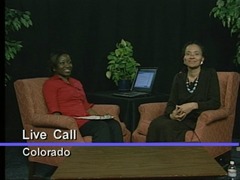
124,85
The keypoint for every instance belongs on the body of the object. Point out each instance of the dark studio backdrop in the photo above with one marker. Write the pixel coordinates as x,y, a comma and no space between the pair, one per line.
89,30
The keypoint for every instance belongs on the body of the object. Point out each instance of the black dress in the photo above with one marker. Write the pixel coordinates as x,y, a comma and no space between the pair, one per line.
206,94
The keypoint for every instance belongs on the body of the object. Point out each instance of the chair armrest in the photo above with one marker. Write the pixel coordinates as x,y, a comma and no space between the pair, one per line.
55,121
151,111
113,110
210,116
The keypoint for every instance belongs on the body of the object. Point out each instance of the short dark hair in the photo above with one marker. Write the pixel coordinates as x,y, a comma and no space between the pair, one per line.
193,42
184,68
54,57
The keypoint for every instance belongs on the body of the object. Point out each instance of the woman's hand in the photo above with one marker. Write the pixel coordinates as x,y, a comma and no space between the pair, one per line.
92,112
177,114
187,107
181,111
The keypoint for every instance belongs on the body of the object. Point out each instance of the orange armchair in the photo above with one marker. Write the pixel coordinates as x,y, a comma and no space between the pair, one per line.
35,118
212,125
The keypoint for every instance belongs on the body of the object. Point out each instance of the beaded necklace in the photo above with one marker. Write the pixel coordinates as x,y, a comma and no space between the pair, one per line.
191,86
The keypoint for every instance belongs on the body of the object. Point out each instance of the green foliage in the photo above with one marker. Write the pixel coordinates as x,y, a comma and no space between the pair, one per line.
121,64
228,11
14,21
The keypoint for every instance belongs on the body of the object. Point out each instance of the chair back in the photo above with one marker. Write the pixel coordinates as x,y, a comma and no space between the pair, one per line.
229,85
30,97
34,115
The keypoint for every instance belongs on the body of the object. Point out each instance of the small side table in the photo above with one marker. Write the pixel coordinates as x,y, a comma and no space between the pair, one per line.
128,106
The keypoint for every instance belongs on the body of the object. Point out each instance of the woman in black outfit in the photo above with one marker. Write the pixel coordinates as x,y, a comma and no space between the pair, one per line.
193,91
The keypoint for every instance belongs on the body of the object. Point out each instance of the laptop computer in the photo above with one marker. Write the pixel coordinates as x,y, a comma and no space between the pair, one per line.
142,84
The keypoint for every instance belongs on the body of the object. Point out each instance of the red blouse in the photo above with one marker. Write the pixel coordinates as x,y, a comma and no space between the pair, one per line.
68,99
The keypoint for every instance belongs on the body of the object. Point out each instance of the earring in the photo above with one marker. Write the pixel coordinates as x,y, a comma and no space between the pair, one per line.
201,62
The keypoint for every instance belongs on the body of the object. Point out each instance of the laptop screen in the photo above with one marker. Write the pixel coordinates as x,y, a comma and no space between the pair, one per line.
144,79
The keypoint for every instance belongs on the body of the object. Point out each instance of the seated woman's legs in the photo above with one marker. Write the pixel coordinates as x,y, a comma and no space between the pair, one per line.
164,129
115,130
102,131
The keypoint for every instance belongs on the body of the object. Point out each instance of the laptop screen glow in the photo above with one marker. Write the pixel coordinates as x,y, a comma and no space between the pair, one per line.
144,79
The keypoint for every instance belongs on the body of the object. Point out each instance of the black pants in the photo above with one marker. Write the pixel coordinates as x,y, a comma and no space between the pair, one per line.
103,130
163,129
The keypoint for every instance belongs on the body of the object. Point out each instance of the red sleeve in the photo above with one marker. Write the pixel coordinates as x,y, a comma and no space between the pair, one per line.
50,95
86,104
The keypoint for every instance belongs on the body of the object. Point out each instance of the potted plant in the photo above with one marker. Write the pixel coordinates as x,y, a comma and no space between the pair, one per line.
14,21
122,67
229,13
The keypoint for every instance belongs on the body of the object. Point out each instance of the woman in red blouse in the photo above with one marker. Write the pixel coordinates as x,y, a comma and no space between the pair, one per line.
65,95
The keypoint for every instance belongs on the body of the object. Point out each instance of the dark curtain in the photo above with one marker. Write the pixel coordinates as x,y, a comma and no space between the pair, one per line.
89,30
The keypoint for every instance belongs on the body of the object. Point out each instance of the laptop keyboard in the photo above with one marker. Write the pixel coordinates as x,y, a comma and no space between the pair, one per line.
130,94
136,93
